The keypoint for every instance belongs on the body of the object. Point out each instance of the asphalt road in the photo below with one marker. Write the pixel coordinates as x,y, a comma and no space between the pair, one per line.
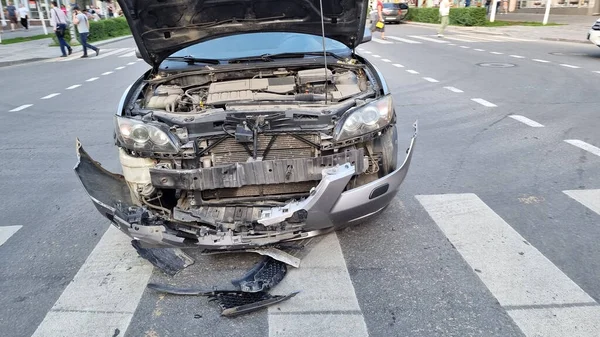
494,233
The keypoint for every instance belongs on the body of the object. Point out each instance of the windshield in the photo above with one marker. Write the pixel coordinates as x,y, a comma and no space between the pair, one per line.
255,44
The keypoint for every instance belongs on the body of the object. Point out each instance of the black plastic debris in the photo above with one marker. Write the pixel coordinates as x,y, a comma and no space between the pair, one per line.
169,260
239,303
263,276
246,294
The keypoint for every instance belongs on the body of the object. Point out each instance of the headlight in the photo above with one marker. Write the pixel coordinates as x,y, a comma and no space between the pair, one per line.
145,137
367,118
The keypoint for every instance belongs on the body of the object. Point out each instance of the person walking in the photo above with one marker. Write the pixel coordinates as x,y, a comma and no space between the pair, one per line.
377,22
80,18
444,14
24,15
58,20
12,16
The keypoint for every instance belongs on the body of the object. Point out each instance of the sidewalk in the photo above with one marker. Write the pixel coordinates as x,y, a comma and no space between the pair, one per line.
20,32
38,50
574,28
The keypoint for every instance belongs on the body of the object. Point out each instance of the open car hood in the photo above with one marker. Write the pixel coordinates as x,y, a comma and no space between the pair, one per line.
161,28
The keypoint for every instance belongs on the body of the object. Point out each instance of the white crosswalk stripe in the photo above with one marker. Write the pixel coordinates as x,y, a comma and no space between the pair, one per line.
103,296
105,52
130,54
539,297
117,51
588,198
430,39
374,39
6,232
401,39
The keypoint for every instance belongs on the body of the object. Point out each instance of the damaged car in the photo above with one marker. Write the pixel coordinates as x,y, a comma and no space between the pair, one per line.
257,124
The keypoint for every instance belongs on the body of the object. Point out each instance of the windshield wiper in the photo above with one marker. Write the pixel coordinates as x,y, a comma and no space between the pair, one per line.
272,57
192,60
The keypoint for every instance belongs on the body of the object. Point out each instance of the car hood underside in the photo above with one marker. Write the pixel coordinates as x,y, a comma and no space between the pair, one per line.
161,28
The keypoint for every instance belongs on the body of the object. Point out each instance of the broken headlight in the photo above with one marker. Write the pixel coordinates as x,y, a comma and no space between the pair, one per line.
136,135
367,118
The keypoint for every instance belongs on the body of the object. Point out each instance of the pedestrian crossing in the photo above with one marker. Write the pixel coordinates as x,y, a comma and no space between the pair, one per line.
447,39
103,297
104,53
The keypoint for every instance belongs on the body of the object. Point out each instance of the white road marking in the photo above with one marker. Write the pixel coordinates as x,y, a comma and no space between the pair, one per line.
526,121
6,232
386,60
589,198
130,54
91,79
538,296
374,39
517,56
375,55
71,57
73,86
140,60
496,53
397,65
361,49
541,61
465,47
130,63
403,40
453,89
436,40
597,72
328,307
477,49
429,79
584,146
412,71
103,295
451,44
367,52
116,51
480,38
24,106
570,66
51,95
458,39
107,73
119,68
484,102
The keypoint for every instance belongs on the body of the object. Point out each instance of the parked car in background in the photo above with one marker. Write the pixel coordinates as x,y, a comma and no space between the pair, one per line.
392,12
594,33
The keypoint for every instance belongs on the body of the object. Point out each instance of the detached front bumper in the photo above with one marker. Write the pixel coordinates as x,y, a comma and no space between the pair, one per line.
327,208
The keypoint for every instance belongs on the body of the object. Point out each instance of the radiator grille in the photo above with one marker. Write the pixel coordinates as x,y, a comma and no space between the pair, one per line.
284,147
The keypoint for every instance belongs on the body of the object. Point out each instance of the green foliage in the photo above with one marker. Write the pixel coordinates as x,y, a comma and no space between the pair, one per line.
470,16
102,30
25,39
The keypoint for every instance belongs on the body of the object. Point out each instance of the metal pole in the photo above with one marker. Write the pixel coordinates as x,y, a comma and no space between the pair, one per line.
494,8
2,14
547,14
41,11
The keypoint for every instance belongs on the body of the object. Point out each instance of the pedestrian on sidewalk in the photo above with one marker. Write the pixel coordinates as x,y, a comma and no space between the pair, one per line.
488,5
24,14
504,7
58,20
377,22
80,18
12,16
444,14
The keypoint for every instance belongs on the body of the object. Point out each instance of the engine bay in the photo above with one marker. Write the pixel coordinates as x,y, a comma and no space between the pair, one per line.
305,86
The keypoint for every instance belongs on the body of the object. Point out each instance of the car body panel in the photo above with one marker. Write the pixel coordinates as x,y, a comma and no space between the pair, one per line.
162,28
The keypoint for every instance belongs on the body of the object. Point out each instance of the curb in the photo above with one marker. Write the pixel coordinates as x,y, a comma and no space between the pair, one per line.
36,59
557,39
